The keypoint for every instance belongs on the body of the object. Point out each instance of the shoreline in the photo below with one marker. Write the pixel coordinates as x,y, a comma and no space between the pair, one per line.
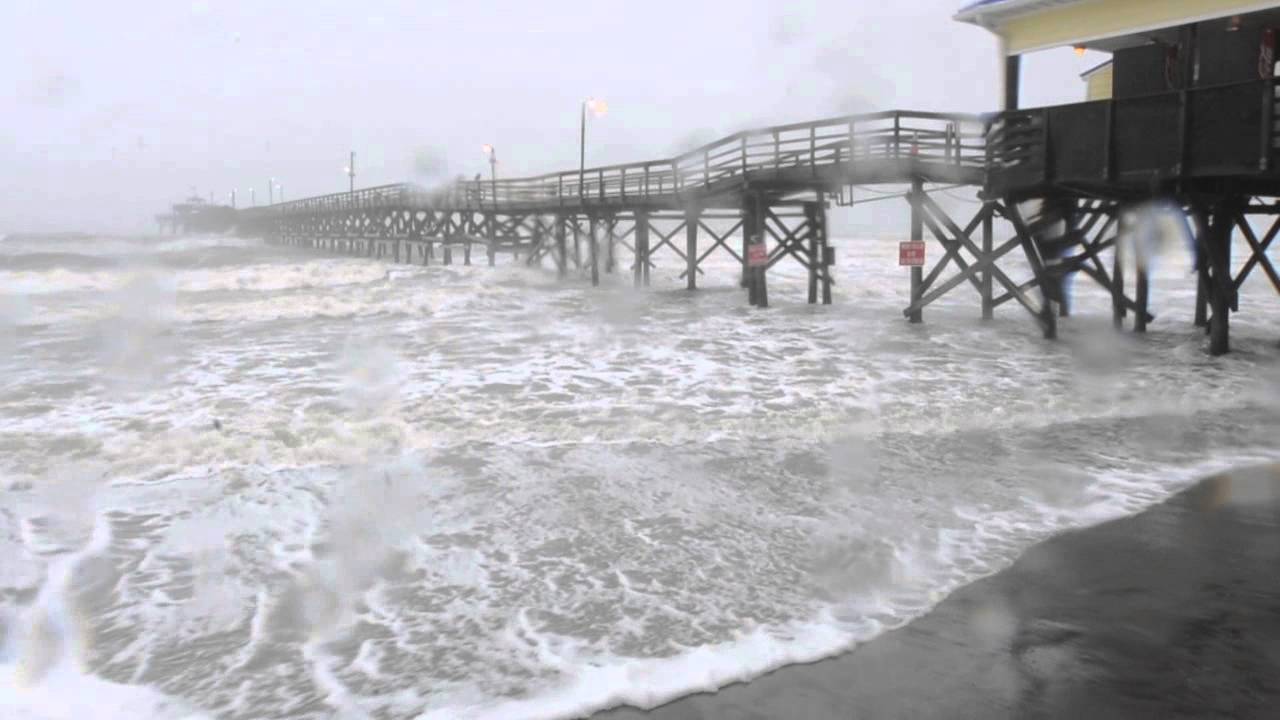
1172,612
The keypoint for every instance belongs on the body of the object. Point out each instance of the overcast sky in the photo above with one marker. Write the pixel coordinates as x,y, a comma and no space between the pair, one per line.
114,109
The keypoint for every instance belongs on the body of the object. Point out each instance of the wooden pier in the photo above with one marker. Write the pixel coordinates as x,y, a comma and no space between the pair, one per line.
1058,182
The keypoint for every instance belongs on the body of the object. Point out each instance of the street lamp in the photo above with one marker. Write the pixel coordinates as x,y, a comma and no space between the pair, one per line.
350,170
597,108
487,149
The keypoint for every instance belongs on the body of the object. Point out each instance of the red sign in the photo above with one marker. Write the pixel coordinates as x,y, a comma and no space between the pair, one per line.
757,254
911,253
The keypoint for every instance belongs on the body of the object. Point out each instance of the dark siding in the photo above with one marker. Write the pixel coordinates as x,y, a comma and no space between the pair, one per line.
1140,71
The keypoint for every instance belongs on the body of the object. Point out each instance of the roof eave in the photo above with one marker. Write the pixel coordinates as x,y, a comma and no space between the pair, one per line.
991,16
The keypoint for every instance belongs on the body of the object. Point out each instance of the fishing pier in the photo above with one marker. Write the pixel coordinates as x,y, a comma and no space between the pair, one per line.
1184,122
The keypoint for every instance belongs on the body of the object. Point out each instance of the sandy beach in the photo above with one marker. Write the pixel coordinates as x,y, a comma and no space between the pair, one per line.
1172,613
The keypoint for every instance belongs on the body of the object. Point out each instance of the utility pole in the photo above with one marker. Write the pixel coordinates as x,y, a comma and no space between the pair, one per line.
597,108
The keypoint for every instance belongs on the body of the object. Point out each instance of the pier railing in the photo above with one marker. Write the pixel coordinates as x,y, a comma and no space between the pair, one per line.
826,151
1214,131
1217,131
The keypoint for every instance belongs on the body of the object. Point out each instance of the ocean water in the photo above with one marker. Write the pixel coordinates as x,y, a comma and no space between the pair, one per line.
245,481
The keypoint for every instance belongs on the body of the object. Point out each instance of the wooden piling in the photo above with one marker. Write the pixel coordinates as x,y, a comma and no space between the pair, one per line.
609,259
561,259
641,242
815,251
592,249
988,239
1117,273
491,234
1222,282
917,235
691,249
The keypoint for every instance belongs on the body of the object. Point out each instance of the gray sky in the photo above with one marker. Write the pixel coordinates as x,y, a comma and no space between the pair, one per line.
115,109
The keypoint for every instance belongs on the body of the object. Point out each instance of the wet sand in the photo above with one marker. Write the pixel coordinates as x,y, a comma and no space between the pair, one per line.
1172,613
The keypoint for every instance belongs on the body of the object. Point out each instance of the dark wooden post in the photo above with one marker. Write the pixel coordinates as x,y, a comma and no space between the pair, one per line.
577,243
1222,282
1012,80
491,235
611,222
815,249
641,242
1141,288
755,227
988,309
1117,270
561,259
1202,269
750,227
592,231
917,234
691,248
826,254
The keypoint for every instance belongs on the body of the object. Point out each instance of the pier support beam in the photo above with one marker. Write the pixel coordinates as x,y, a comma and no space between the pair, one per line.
561,258
988,237
755,231
491,233
1222,289
917,234
611,239
820,254
691,249
1141,290
641,241
593,230
1118,309
577,243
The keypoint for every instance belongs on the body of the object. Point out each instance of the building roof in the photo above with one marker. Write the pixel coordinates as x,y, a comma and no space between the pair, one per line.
1029,25
990,13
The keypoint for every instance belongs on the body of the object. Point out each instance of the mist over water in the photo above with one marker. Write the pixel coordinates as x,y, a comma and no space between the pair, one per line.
243,481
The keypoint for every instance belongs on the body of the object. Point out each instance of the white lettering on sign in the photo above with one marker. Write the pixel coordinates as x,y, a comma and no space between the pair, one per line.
911,253
757,252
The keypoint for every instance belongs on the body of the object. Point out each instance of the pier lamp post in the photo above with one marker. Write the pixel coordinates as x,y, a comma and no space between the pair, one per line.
253,198
597,108
350,170
493,169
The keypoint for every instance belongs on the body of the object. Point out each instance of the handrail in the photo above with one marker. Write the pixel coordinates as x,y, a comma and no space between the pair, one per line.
932,137
1019,141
